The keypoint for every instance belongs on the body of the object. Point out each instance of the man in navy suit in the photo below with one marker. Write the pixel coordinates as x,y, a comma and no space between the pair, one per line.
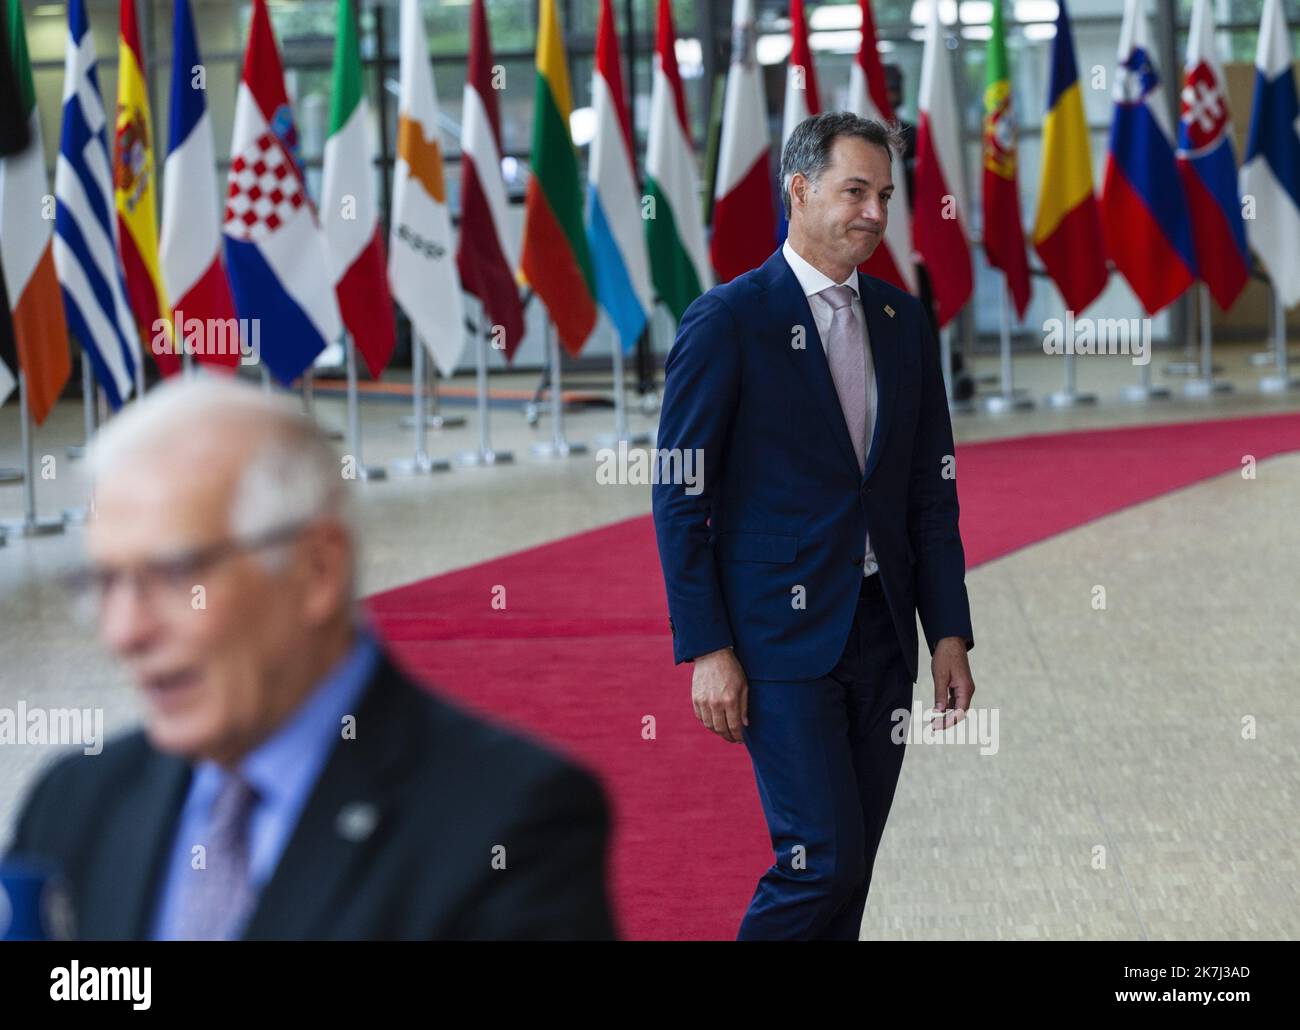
821,519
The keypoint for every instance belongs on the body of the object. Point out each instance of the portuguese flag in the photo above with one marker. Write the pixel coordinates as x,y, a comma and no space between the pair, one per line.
1004,239
555,259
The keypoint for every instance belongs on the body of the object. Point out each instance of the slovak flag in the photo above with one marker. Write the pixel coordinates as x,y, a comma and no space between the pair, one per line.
275,251
1208,165
1143,208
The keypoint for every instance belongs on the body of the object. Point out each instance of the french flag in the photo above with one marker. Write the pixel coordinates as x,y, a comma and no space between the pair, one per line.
1143,208
275,252
1209,166
190,246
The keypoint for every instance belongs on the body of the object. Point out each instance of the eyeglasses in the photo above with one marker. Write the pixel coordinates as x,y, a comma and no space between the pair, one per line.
168,580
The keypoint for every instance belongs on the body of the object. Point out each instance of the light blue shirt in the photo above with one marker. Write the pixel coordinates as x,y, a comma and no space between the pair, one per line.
283,771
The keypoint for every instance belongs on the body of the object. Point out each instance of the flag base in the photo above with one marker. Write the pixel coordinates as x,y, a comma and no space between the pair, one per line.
1278,384
484,458
1139,392
1206,387
1069,399
433,422
47,526
421,464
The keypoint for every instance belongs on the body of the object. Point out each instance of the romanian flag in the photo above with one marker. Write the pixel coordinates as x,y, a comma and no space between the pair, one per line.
134,173
555,259
1067,230
1004,238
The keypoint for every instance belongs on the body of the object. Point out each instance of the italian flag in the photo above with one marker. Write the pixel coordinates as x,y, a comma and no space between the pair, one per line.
349,214
36,305
555,258
679,259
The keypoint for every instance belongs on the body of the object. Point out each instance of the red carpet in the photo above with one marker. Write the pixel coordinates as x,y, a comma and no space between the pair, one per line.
581,654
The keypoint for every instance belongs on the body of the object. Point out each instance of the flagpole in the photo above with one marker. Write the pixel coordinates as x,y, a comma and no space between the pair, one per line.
78,450
485,455
364,471
433,419
621,433
1007,399
1205,385
558,447
1281,381
418,420
30,524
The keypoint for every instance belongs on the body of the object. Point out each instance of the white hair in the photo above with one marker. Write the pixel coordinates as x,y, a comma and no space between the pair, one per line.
293,475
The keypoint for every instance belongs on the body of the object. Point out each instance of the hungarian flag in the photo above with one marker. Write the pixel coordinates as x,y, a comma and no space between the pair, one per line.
744,220
1004,237
276,255
679,263
193,276
1067,228
26,254
555,259
486,254
1208,165
942,214
869,98
349,214
134,172
613,197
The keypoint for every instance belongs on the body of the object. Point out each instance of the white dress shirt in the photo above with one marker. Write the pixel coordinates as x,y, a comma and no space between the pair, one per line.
813,281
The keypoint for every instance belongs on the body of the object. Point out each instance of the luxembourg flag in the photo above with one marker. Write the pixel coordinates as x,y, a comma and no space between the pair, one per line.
869,98
275,252
613,200
1143,208
85,226
193,276
1208,165
1271,173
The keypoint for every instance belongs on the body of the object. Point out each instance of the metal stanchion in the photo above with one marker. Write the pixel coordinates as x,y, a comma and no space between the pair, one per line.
364,471
484,455
1206,385
30,524
621,433
1008,399
418,420
558,446
1281,381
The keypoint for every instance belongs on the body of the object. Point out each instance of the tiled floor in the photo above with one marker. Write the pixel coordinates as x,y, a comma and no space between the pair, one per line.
1124,798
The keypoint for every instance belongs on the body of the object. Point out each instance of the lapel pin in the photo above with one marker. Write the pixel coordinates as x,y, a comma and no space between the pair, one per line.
356,821
889,311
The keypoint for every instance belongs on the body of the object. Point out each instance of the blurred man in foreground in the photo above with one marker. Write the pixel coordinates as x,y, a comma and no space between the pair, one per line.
290,781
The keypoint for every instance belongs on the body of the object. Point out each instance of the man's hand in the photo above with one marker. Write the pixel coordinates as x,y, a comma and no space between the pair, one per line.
953,685
720,694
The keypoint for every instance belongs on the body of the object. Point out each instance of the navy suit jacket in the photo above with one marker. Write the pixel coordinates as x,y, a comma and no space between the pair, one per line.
782,504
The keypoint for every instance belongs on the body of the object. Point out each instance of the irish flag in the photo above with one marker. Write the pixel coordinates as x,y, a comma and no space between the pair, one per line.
679,263
942,214
744,219
134,174
869,98
36,305
555,259
349,214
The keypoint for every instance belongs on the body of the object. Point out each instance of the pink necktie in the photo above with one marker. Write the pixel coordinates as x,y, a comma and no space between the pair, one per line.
846,352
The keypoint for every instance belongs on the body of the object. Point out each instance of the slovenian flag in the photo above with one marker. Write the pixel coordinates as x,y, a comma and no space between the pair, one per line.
193,275
613,198
1208,165
1067,227
1143,208
275,251
85,224
1271,172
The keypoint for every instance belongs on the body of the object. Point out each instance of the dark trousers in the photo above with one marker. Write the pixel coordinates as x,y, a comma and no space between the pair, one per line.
827,755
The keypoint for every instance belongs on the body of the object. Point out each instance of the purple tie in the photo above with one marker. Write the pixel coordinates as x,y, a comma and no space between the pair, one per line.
846,351
218,898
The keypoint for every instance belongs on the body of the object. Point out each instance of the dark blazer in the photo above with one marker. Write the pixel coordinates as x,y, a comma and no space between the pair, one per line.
447,789
784,505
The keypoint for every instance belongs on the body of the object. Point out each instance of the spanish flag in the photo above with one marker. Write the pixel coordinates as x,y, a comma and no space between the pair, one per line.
1067,230
134,172
555,259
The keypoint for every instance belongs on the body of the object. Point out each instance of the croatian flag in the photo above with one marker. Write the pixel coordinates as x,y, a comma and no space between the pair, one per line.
1208,165
1143,208
85,224
614,226
193,276
1271,173
275,252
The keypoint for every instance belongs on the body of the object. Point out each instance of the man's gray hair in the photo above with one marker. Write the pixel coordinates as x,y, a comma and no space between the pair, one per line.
293,475
808,150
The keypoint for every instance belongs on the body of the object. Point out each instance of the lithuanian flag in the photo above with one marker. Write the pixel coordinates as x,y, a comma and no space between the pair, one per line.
134,172
555,260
